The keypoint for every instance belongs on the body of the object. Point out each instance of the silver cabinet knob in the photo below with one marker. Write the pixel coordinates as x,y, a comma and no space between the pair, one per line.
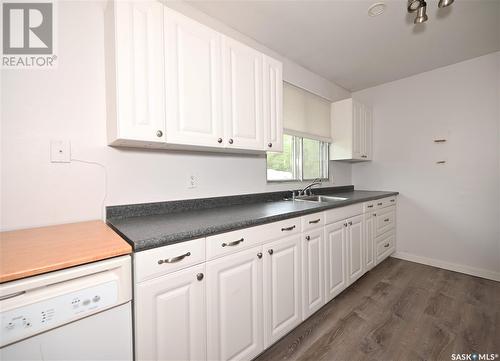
270,145
159,133
350,223
219,140
270,251
308,238
199,276
230,140
345,224
259,255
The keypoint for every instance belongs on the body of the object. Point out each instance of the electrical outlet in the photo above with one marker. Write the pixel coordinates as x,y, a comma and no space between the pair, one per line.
192,181
60,151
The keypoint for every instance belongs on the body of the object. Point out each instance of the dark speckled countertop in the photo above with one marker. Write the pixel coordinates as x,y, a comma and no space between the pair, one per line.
152,225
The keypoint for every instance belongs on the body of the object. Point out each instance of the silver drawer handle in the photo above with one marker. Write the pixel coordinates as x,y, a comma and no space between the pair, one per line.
287,228
386,245
234,243
386,220
393,200
379,204
315,221
175,259
370,206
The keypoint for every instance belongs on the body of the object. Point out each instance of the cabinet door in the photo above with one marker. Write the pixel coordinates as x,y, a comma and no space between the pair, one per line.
243,95
368,132
139,70
234,306
335,259
273,104
170,316
369,238
313,294
193,81
357,130
355,248
282,296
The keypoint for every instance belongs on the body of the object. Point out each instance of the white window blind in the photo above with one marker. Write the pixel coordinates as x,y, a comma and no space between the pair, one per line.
305,114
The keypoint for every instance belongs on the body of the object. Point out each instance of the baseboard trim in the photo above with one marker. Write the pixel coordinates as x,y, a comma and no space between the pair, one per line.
491,275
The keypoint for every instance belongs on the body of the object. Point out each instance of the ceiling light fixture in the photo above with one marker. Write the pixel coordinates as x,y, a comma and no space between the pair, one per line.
421,14
444,3
377,9
414,5
420,6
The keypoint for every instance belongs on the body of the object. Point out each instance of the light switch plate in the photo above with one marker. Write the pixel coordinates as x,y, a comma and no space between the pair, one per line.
60,151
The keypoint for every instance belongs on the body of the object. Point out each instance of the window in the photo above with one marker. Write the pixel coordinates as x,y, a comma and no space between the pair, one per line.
301,159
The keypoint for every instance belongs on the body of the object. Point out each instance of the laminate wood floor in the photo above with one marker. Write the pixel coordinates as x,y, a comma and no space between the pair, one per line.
400,310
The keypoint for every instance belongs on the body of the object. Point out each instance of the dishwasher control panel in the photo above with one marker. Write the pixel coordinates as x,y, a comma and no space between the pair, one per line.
28,320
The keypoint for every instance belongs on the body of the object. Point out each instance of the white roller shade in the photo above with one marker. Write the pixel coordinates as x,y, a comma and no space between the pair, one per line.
305,114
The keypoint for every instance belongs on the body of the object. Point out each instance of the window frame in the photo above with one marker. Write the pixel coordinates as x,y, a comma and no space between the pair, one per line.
298,159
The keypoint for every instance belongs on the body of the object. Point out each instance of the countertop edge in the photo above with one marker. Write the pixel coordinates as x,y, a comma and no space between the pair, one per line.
14,276
143,244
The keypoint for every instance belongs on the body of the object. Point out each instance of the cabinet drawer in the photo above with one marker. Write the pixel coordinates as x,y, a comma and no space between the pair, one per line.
235,241
167,259
369,206
385,244
385,220
342,213
281,229
313,220
385,202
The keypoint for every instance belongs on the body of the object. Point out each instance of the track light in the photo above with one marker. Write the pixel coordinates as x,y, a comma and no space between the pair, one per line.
421,14
420,6
444,3
414,5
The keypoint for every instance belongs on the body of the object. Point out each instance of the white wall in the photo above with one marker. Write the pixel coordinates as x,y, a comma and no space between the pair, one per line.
448,215
69,103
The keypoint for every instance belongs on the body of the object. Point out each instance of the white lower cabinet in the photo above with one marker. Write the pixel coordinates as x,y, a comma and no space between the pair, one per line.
313,293
236,303
369,239
355,248
282,291
335,259
170,316
234,306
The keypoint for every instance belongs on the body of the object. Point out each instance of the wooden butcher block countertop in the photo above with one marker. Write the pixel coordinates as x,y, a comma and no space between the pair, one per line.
33,251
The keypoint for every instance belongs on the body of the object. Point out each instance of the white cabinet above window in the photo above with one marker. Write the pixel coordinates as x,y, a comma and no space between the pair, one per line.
175,83
351,131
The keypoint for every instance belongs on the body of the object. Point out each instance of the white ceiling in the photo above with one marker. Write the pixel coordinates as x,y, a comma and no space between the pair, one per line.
339,41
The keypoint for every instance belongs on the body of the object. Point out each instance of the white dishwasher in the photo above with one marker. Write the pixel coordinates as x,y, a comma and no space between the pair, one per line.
80,313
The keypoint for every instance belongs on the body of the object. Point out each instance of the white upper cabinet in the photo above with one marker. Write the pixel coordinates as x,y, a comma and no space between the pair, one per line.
193,82
242,95
135,72
176,83
351,131
273,104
